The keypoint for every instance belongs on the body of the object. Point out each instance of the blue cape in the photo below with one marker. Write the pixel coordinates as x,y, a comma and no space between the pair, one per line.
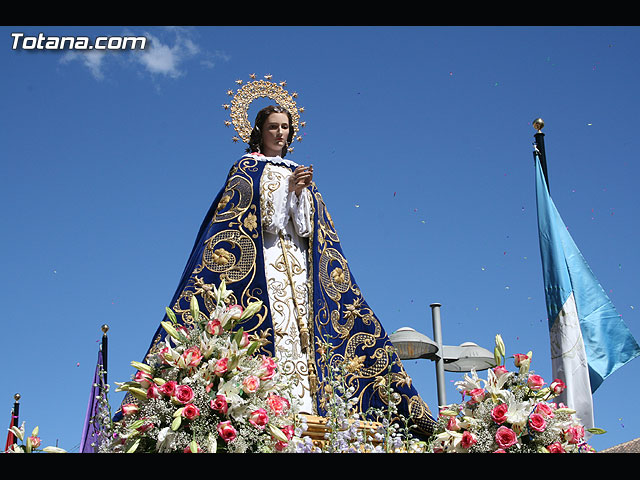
341,317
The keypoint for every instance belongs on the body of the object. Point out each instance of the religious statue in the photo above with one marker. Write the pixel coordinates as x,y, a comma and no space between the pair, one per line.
268,234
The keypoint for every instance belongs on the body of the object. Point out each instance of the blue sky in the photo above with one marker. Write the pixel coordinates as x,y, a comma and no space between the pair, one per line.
421,142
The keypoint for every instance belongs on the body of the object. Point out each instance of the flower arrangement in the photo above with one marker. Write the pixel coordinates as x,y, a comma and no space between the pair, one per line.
205,389
509,412
31,444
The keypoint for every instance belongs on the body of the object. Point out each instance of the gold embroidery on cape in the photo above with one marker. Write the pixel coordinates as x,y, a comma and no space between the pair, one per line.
237,196
270,182
220,260
337,280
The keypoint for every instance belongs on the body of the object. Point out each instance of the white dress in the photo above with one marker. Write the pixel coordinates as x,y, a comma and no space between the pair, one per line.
287,217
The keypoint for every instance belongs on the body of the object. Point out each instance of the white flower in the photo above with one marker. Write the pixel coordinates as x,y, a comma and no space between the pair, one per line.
495,384
470,382
517,412
165,440
221,294
450,441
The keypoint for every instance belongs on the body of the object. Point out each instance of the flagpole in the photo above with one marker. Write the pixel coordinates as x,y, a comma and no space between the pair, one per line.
11,438
105,329
538,149
16,408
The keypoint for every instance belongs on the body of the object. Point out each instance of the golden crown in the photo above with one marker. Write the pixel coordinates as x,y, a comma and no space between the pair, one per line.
252,90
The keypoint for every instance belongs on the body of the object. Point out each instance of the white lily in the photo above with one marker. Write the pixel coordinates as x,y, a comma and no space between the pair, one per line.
495,384
212,443
165,439
54,450
221,293
470,382
18,432
450,441
517,412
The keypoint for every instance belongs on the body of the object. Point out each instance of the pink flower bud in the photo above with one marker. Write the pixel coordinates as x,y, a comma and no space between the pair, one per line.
557,386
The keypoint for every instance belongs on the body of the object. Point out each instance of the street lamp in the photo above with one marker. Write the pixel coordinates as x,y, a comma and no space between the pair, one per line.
468,356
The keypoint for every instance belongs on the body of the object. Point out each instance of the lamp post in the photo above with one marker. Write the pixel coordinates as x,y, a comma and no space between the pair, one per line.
412,345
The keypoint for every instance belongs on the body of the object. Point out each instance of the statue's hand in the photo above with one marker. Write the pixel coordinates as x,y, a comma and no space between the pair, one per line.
300,179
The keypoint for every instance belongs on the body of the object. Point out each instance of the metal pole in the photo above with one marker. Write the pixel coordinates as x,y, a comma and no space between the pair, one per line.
105,329
16,408
15,415
437,337
539,151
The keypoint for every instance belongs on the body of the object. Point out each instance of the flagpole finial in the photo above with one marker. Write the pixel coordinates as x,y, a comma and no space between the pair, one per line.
105,328
538,124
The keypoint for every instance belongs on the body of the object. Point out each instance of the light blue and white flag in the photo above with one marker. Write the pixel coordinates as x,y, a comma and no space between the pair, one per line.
589,340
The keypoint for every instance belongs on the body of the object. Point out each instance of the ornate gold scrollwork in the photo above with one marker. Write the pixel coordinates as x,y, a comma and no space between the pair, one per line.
337,280
327,229
237,197
231,267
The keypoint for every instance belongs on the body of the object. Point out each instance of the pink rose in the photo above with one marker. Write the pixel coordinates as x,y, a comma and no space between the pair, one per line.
152,391
244,341
520,359
192,357
221,367
235,311
168,388
278,405
251,384
537,422
500,370
555,448
214,327
190,411
477,395
130,408
499,413
505,437
35,442
453,424
289,431
574,434
557,386
226,431
535,382
163,355
184,394
267,368
544,410
144,379
500,450
259,418
145,427
468,439
219,404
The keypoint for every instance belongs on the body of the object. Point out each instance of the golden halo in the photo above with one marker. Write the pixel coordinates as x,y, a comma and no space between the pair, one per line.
260,88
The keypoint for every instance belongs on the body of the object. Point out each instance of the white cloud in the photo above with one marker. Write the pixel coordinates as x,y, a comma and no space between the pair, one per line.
167,53
93,60
165,59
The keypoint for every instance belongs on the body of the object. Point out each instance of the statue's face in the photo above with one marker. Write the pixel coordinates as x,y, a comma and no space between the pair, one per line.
274,134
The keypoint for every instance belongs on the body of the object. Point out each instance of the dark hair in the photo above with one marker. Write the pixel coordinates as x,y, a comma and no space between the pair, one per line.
255,141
